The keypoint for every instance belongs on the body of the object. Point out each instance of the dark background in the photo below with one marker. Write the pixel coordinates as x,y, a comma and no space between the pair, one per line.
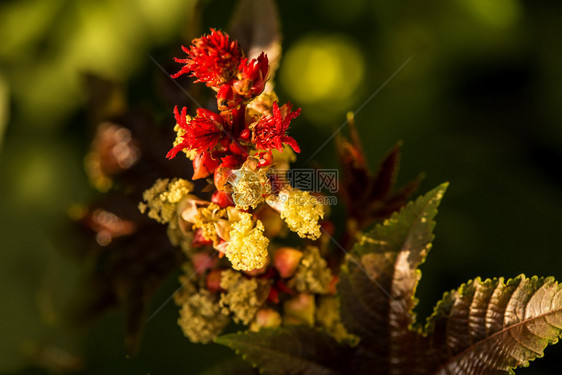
477,105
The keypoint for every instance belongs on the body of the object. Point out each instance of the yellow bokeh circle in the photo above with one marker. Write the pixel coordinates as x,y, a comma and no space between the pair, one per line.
322,69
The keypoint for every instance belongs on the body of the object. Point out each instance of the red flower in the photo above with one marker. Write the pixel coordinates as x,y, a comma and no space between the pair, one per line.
207,129
213,59
270,130
182,122
203,132
253,76
227,98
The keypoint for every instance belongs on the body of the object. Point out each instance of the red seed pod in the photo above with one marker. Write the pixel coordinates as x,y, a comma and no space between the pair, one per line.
222,198
222,174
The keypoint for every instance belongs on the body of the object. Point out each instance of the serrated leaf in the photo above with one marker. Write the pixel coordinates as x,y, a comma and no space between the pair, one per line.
255,25
491,327
291,350
378,283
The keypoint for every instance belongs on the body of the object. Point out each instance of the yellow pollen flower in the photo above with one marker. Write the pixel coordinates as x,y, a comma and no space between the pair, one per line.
205,220
301,211
242,297
162,198
247,248
313,274
201,319
177,189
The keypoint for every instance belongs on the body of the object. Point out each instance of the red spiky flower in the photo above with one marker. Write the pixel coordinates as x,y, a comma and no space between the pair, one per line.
213,59
270,130
202,133
253,76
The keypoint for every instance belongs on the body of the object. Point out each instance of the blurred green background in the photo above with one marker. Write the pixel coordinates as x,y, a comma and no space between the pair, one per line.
479,105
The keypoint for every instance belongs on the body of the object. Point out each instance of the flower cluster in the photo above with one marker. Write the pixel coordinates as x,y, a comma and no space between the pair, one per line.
262,284
236,147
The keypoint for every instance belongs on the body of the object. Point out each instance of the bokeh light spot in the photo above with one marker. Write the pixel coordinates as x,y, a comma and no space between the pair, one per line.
496,13
322,70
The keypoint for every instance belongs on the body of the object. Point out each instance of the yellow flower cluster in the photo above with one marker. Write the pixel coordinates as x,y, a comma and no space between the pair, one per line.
301,211
328,316
247,249
231,215
162,198
313,274
201,319
177,189
243,296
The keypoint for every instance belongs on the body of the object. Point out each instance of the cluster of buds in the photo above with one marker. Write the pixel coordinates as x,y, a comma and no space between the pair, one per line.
237,148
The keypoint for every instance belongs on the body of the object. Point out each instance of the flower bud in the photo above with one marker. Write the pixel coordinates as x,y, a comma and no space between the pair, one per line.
199,240
222,198
299,310
286,260
227,98
221,177
265,318
213,280
245,134
203,261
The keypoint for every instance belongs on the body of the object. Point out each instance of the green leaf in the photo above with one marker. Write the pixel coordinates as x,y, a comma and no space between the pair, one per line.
291,350
378,282
491,327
